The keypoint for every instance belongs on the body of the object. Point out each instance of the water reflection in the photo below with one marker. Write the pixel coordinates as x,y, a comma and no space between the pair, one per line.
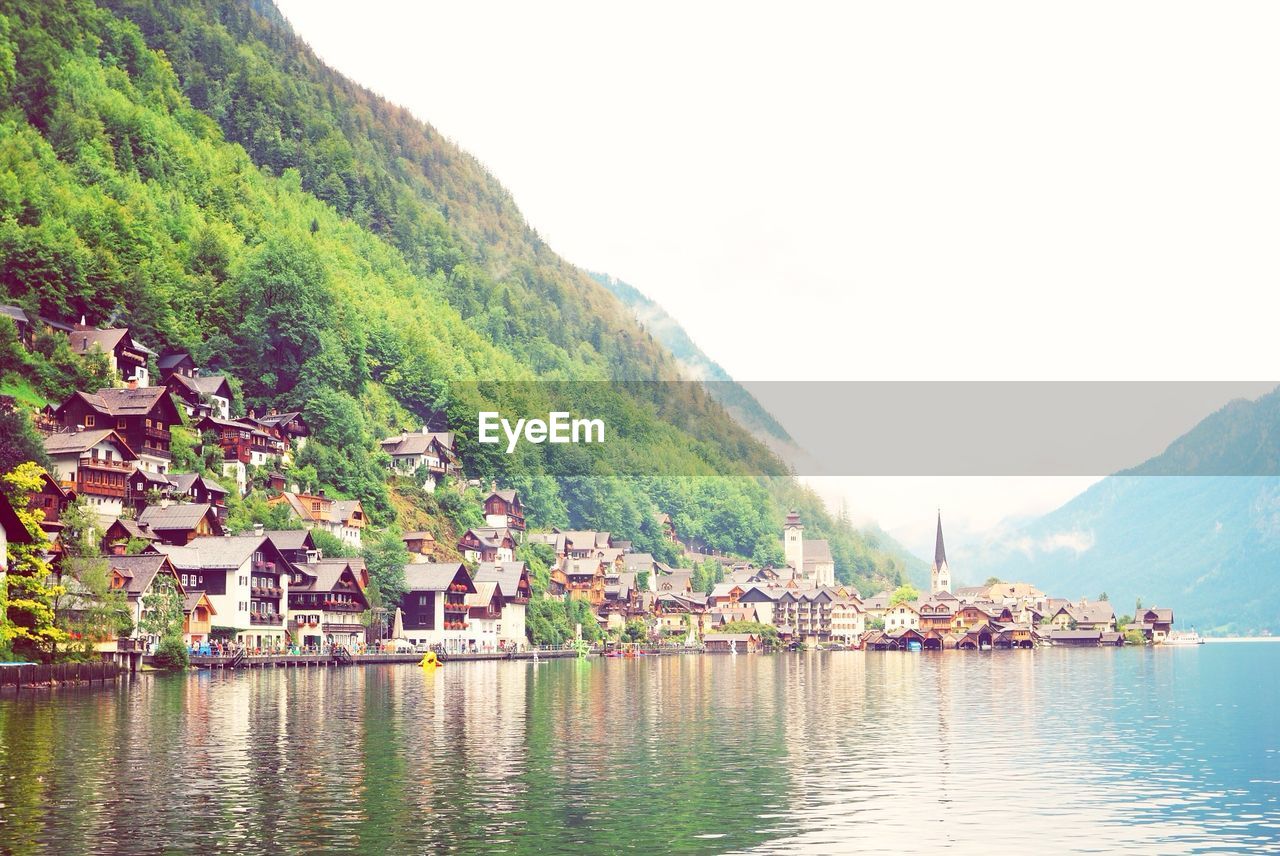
1149,751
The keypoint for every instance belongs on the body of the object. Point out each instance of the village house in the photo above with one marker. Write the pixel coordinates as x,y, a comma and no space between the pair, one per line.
739,643
935,615
243,445
1084,614
115,540
147,487
484,610
125,356
675,582
191,487
487,544
246,580
581,544
901,616
295,545
502,509
288,426
135,575
516,590
342,518
421,546
848,622
430,452
173,362
326,600
585,580
434,607
141,416
1154,623
181,522
201,395
197,621
96,464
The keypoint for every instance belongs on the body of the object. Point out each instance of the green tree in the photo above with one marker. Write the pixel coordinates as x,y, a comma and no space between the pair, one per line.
162,609
31,629
385,556
904,593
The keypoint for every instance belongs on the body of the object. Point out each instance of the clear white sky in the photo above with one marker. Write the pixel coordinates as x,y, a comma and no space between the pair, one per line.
933,190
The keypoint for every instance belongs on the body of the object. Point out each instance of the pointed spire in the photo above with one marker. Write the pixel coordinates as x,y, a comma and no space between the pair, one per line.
939,551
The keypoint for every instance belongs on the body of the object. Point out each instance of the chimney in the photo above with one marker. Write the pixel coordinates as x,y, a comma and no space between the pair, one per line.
133,383
117,549
257,529
321,494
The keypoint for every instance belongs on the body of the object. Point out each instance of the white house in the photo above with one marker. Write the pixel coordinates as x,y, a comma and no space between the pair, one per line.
97,463
515,589
435,609
246,580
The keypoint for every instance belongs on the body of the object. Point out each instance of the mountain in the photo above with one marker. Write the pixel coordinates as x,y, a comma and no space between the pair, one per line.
1196,528
192,170
695,363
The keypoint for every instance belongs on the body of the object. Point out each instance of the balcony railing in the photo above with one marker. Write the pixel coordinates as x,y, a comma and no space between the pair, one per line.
342,606
268,618
109,466
265,591
450,606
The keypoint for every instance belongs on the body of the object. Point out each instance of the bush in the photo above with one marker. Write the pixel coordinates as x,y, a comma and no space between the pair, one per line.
171,653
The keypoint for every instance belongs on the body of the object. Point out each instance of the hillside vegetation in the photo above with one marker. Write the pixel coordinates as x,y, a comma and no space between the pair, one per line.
192,171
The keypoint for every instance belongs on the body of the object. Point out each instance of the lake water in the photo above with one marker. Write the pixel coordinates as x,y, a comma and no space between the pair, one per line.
1145,751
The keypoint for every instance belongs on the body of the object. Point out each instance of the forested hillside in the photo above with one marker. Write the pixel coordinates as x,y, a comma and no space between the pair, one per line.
695,363
192,171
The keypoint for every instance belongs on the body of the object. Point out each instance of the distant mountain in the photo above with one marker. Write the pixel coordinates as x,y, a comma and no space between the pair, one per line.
667,330
1196,528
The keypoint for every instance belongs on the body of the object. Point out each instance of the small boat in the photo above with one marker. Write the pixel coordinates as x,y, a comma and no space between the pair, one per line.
1183,637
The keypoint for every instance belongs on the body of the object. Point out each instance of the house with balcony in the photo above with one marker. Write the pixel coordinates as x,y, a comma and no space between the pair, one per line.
296,545
243,445
180,522
125,356
116,538
425,451
487,544
327,599
201,395
95,463
147,487
584,580
140,415
1154,623
1083,614
342,518
289,427
246,580
434,606
197,617
192,487
515,589
503,509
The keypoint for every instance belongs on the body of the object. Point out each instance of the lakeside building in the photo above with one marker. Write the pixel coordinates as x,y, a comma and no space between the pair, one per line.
246,580
326,600
342,518
435,606
96,463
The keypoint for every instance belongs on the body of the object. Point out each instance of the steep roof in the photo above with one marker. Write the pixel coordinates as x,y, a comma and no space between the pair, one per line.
221,552
817,550
192,599
123,401
138,571
434,576
939,550
324,574
291,539
504,495
416,444
185,481
82,341
69,442
180,515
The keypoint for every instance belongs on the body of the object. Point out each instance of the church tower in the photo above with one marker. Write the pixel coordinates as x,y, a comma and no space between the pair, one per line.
793,542
940,576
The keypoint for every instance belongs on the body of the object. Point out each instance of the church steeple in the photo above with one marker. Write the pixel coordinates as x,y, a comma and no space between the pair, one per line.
940,575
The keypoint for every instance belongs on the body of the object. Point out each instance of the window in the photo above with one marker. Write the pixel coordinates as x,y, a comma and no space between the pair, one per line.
89,420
